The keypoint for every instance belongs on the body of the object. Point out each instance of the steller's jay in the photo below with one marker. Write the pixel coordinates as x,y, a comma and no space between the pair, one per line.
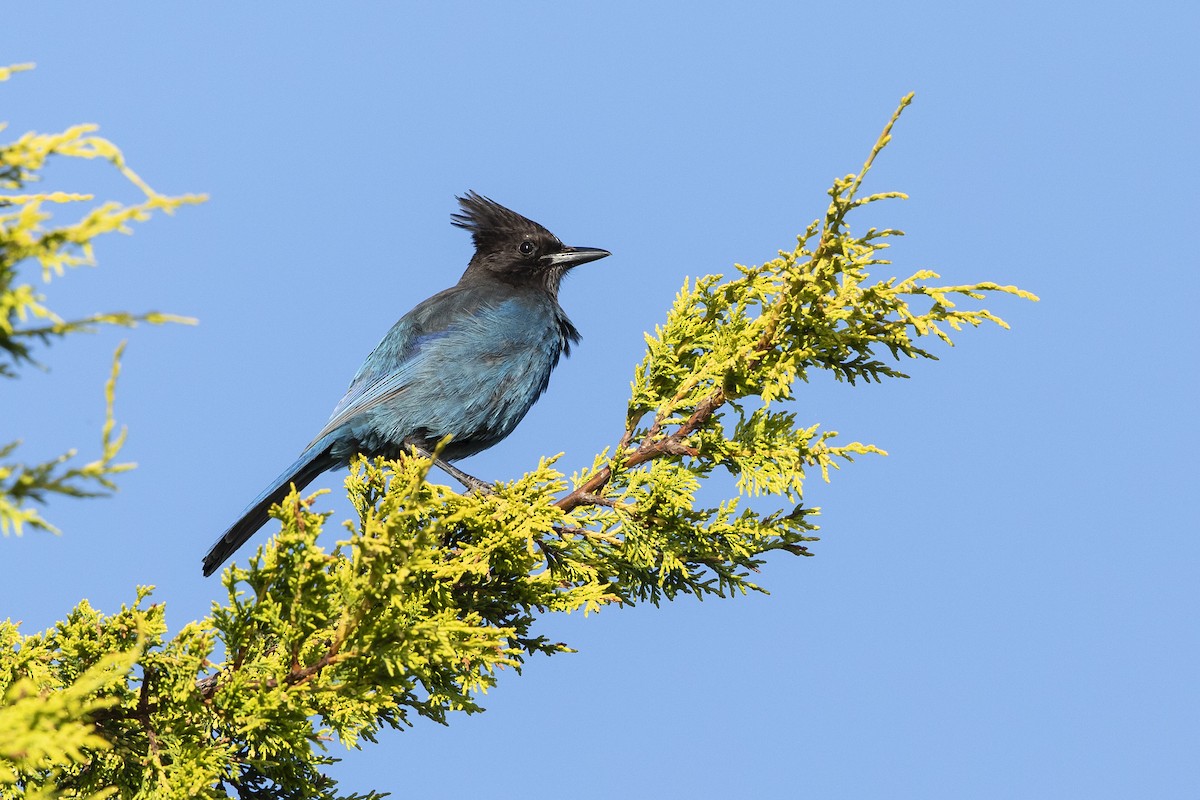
467,363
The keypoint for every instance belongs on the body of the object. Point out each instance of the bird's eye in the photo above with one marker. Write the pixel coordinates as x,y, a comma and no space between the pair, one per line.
527,247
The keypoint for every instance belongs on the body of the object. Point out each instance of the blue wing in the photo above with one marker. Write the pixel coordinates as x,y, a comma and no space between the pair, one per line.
391,366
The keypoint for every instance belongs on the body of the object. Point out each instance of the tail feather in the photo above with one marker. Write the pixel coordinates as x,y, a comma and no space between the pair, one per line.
303,471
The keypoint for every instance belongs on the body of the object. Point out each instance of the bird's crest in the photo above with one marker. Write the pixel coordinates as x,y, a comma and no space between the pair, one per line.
489,221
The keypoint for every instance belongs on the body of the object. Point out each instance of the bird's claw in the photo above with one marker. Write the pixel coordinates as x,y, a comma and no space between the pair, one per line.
469,481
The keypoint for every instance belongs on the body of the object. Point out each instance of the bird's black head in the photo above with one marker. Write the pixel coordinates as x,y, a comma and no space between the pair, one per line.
515,248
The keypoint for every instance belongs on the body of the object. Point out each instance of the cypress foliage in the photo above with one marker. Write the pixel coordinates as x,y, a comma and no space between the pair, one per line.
432,593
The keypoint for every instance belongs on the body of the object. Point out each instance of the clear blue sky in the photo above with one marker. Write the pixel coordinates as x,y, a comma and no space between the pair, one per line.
1006,606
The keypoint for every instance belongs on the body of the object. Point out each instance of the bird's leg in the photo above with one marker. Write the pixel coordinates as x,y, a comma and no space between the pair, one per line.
472,483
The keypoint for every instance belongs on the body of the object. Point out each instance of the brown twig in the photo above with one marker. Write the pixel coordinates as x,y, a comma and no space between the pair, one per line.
298,675
143,714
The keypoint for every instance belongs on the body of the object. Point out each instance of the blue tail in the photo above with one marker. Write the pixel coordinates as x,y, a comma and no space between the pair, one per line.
311,463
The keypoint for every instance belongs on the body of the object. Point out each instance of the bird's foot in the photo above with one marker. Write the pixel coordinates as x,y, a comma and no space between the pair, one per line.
469,481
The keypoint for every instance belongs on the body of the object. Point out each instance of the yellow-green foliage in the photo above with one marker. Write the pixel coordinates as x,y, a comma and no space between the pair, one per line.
433,594
27,237
707,395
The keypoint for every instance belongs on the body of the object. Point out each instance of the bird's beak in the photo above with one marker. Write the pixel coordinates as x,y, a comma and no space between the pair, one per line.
573,256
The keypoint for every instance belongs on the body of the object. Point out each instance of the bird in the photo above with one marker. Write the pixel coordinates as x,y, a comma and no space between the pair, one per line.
467,363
